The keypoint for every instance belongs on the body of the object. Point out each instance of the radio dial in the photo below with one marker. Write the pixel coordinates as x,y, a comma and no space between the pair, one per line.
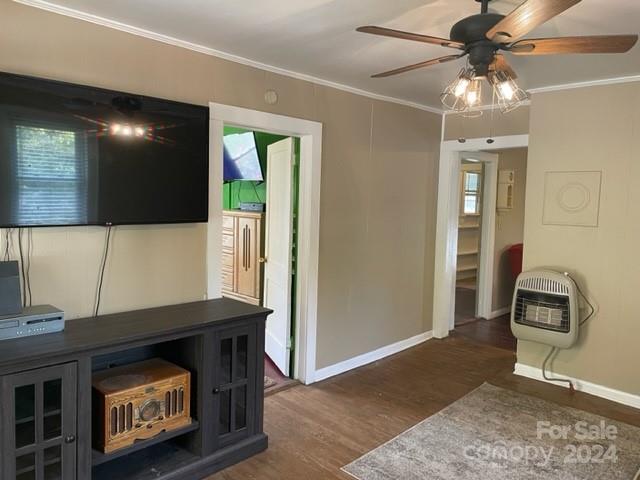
149,410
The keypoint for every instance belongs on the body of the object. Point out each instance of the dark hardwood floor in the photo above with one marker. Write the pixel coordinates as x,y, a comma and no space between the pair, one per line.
465,306
496,332
314,430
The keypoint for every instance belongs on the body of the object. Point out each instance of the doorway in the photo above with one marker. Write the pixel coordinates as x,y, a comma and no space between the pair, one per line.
305,283
469,244
259,241
490,241
452,154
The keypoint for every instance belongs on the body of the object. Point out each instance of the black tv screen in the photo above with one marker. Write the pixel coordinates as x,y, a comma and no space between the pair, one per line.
76,155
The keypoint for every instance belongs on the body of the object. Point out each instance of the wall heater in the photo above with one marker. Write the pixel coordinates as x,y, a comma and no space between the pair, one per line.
545,308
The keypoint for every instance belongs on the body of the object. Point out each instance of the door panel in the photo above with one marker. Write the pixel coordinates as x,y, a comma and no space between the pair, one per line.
235,384
39,424
278,241
246,268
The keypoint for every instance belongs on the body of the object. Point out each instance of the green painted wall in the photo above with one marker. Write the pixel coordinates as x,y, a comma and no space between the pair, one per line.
245,191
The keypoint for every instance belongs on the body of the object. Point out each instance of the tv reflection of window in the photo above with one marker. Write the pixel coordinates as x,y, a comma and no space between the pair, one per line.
52,176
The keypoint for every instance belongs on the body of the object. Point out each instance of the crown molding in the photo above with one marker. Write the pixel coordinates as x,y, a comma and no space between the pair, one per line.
176,42
585,84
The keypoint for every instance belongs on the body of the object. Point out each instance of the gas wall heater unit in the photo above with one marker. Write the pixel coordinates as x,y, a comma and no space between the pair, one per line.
545,308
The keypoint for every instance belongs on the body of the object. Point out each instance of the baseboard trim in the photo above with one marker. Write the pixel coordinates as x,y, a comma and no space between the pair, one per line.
498,313
370,357
617,396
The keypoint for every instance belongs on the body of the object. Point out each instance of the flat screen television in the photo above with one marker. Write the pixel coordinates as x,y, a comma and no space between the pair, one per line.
241,161
77,155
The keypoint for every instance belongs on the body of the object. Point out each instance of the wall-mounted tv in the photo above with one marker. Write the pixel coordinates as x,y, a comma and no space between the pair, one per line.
241,161
77,155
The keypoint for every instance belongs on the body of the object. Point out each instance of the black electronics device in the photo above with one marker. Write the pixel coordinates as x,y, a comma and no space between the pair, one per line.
78,155
10,303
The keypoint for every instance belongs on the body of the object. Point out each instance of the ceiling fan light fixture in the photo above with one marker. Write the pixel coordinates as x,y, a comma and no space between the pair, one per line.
473,96
455,95
510,96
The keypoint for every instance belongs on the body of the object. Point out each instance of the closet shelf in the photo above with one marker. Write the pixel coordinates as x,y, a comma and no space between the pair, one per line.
467,269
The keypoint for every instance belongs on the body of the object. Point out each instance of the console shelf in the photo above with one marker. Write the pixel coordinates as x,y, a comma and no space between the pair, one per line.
220,342
98,458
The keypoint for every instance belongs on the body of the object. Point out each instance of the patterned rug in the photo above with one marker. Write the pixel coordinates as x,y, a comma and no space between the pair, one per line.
269,382
497,433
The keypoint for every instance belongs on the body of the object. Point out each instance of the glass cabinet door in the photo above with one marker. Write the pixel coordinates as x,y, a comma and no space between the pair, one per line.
235,384
39,424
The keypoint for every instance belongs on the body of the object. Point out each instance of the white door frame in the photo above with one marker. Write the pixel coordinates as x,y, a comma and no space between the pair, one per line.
310,135
487,230
444,285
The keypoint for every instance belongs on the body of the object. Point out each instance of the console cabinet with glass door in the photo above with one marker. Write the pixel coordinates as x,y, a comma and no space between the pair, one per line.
46,406
237,384
39,424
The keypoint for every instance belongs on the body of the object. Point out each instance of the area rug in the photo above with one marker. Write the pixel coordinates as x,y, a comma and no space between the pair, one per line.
269,382
496,433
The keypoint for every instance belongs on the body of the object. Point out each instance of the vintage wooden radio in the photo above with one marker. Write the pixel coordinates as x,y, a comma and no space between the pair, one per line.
139,401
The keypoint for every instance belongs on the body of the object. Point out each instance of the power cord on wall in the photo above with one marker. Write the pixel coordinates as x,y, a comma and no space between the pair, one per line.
29,253
554,349
103,265
25,254
22,267
7,244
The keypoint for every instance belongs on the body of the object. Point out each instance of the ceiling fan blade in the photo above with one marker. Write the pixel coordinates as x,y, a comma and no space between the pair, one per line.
594,44
408,68
416,37
526,17
500,64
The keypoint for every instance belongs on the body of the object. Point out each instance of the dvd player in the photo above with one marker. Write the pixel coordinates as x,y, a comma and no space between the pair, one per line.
36,320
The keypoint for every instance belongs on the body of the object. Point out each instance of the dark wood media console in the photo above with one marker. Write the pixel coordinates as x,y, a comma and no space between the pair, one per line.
46,399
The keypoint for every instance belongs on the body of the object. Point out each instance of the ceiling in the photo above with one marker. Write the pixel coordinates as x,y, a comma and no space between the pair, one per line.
318,37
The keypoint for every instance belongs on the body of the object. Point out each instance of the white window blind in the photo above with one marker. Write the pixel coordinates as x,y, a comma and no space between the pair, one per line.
51,171
471,193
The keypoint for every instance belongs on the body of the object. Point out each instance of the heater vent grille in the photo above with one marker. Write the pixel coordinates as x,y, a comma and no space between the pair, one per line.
541,284
542,311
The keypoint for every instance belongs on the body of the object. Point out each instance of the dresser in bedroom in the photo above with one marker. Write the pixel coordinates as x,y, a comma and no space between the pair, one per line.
242,255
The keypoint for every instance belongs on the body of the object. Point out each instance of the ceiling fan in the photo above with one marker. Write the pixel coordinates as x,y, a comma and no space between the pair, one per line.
484,35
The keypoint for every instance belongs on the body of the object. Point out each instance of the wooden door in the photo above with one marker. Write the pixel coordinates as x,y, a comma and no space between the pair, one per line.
278,242
247,267
235,382
39,424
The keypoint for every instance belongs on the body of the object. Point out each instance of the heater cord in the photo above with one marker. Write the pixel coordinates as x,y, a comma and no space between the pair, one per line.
105,255
593,310
553,349
551,379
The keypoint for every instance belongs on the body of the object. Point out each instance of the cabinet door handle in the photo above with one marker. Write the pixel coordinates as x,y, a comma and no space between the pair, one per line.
70,439
248,248
215,391
244,247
